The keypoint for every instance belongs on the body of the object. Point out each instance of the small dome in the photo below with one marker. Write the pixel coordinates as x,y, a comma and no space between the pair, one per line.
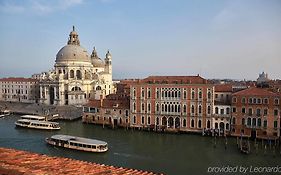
97,62
72,53
108,55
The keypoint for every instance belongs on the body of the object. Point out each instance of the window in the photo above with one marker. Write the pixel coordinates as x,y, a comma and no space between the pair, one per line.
275,124
275,112
234,109
227,111
250,111
244,110
193,95
200,95
258,112
184,123
259,101
184,94
148,107
148,120
276,101
71,73
243,100
234,100
259,122
222,111
192,109
134,121
265,101
209,95
216,110
250,100
265,123
200,109
249,122
209,110
199,124
157,107
184,108
216,95
254,123
134,106
148,93
265,112
142,106
142,120
192,123
142,93
243,121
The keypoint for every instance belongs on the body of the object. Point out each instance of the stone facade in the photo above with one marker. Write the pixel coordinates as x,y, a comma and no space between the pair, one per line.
19,90
77,76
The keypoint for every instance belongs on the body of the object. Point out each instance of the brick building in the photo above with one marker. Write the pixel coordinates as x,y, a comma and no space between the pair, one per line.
171,103
256,113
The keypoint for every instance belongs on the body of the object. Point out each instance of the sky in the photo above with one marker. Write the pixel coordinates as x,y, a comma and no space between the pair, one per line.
234,39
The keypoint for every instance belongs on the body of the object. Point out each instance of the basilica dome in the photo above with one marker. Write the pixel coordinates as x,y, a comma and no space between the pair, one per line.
72,53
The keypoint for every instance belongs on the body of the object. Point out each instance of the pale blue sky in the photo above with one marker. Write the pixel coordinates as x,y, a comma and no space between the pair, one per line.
216,38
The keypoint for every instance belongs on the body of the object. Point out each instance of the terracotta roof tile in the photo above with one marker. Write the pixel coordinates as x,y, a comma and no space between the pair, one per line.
223,88
175,80
18,79
22,162
253,91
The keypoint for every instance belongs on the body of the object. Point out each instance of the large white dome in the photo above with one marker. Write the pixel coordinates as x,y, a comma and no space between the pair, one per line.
74,53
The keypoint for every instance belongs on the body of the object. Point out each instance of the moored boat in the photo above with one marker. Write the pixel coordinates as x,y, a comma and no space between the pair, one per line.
5,113
35,124
33,117
78,143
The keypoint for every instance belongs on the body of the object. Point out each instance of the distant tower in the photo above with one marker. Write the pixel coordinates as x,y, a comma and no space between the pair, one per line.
108,65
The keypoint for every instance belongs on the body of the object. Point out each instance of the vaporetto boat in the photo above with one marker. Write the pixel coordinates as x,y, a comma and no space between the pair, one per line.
35,124
77,143
33,117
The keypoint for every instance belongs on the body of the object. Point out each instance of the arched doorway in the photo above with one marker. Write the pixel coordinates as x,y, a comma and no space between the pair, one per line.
164,121
177,122
221,126
208,124
170,122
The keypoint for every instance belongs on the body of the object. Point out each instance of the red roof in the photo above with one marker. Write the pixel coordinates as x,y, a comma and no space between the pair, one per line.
253,91
223,88
23,162
18,79
175,80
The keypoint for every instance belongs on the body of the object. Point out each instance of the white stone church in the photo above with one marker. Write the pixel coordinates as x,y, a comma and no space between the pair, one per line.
77,76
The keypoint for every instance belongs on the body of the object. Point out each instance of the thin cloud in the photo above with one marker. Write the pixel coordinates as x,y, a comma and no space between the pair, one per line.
38,6
11,8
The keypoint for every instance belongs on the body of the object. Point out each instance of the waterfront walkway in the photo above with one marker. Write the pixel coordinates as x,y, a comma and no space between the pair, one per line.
16,162
51,112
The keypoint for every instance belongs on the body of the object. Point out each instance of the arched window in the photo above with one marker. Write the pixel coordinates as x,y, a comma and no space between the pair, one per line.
193,95
209,95
209,110
98,88
148,107
200,95
199,124
184,108
265,123
134,120
163,108
216,110
164,121
78,74
200,109
259,122
148,120
192,123
157,107
142,120
243,121
192,109
184,123
134,106
172,108
208,124
157,121
249,123
184,94
71,73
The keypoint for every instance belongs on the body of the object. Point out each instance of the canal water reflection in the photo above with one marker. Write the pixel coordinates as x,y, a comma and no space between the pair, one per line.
166,153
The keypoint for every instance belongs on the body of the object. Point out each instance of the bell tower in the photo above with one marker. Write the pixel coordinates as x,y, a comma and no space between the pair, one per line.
108,65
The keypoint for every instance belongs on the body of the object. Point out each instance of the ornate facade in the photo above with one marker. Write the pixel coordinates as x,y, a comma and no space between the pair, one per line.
77,76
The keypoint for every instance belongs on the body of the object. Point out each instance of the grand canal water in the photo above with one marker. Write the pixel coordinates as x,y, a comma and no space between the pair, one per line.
166,153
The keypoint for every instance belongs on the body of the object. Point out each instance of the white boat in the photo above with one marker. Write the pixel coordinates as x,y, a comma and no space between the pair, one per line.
35,124
78,143
5,113
33,117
